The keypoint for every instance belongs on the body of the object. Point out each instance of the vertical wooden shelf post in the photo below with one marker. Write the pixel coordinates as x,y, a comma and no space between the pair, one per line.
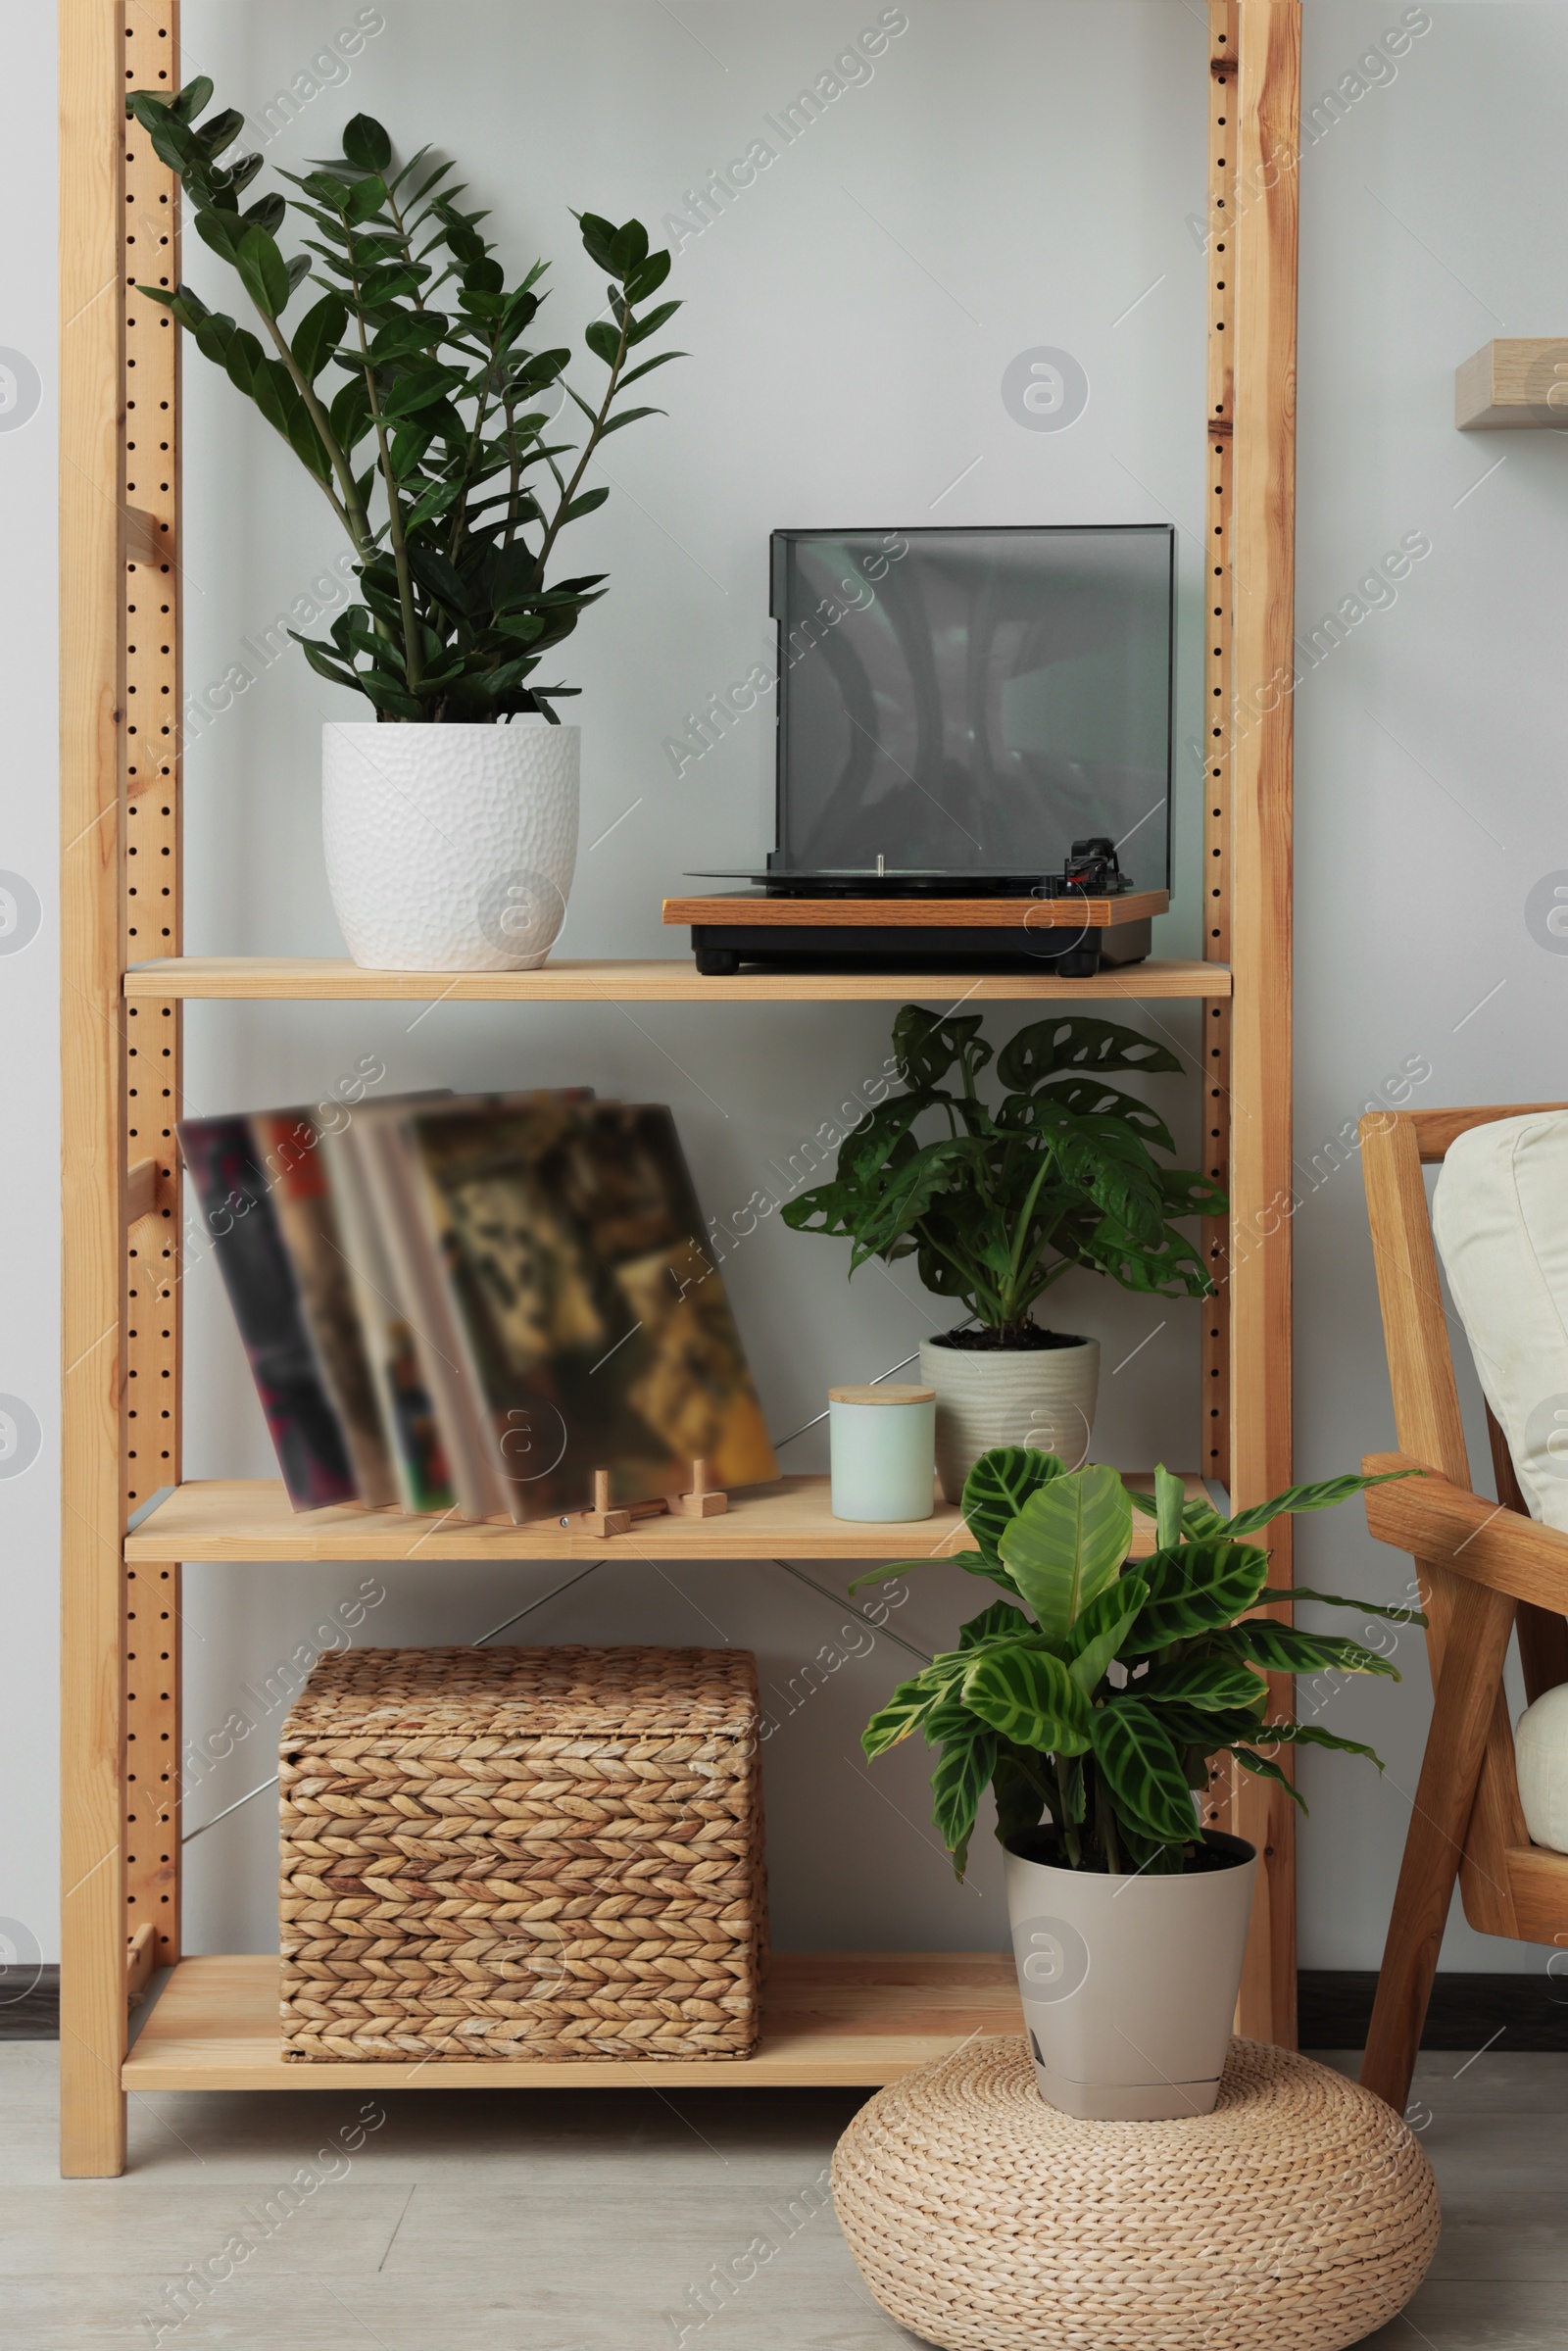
1262,669
92,696
151,887
1214,735
120,896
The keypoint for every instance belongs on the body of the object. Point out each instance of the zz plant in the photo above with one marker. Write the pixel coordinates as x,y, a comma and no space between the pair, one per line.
409,391
1098,1689
999,1203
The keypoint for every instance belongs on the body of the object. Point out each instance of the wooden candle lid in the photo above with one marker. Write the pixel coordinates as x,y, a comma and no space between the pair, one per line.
882,1393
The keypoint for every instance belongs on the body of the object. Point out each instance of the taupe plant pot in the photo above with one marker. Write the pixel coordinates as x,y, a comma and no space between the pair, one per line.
1040,1396
1129,1985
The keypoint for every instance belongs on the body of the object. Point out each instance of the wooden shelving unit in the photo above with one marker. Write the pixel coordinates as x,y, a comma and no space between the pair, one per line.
853,2018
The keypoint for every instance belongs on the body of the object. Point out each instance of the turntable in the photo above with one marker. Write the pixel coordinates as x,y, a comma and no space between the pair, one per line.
973,726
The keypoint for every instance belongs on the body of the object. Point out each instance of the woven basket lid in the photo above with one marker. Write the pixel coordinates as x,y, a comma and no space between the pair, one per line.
397,1693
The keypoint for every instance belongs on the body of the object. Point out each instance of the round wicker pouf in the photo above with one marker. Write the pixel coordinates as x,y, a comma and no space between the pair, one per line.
1298,2215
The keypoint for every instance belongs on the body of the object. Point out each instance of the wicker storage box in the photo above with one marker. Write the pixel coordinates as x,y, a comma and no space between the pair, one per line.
522,1853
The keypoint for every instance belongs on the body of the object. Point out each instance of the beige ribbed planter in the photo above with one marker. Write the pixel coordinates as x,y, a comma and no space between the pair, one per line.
1040,1396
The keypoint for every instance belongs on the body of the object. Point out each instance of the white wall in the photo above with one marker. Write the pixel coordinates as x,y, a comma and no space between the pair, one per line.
1429,760
1013,176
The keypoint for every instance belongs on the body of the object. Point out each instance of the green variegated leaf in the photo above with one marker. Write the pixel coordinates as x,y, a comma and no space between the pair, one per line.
1199,1518
1022,1789
1261,1769
1206,1678
1028,1694
1404,1615
1209,1728
1143,1770
1170,1499
993,1623
904,1712
997,1487
963,1774
1097,1637
1067,1543
1285,1650
1322,1497
973,1563
1194,1589
1307,1734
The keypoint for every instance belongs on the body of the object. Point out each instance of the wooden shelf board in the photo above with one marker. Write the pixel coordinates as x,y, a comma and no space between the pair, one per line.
250,1519
853,2021
675,980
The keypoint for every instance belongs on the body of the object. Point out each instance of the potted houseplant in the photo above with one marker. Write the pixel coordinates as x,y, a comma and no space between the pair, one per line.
998,1202
411,392
1091,1698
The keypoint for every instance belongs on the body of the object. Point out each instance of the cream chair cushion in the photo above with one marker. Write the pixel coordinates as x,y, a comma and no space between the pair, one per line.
1541,1751
1500,1219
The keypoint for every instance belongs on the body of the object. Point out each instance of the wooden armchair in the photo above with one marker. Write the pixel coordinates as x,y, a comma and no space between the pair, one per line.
1485,1570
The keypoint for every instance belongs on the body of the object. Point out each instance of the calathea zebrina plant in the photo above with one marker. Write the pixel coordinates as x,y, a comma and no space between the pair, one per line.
996,1203
409,390
1094,1695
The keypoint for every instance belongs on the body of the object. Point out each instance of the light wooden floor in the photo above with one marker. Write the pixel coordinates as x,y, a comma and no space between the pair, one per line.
577,2220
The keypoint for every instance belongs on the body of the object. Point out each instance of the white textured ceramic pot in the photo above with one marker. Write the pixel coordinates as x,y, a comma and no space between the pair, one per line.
1129,1985
1039,1396
449,847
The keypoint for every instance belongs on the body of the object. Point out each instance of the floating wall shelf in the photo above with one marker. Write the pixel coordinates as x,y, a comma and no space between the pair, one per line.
1519,382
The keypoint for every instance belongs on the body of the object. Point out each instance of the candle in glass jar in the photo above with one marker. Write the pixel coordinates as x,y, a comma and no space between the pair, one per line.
883,1453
